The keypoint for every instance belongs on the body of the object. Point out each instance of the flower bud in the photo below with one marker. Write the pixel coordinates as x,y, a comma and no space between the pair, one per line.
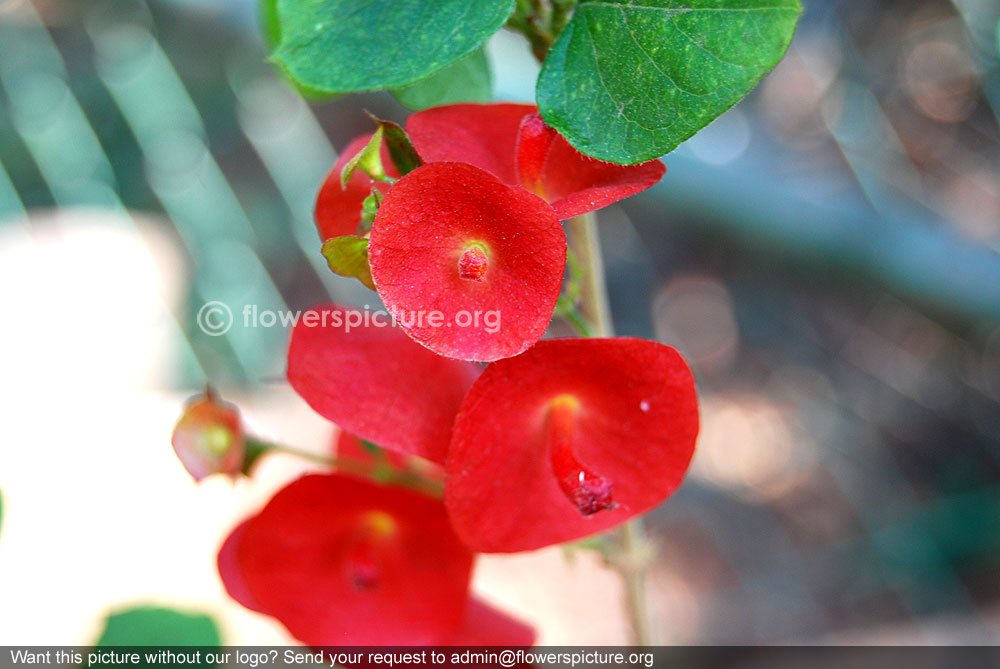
208,438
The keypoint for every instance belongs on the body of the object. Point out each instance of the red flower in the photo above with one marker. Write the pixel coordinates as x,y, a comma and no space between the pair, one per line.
340,561
470,267
338,210
375,382
208,438
568,439
393,571
514,144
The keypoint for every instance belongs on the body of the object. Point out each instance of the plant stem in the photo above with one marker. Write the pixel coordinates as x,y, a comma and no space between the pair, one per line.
540,22
572,315
586,247
318,458
258,447
635,549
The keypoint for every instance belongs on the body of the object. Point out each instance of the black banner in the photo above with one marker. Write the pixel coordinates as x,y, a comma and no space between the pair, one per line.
257,657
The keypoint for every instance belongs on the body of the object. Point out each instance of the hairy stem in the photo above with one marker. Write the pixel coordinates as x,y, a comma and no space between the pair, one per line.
631,563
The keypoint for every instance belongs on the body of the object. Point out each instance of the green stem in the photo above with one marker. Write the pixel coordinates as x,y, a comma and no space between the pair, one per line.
586,248
258,447
532,18
561,11
572,314
635,548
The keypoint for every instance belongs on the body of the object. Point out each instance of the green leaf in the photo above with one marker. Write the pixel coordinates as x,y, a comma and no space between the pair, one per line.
368,160
627,82
349,45
270,29
465,80
270,26
155,626
348,256
404,156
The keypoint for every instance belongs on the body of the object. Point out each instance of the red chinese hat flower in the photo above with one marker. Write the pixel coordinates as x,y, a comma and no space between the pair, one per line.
568,439
471,268
340,561
208,438
514,144
375,382
480,625
338,210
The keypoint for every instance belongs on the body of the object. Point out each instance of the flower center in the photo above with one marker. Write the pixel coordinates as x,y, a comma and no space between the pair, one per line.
473,263
587,491
365,557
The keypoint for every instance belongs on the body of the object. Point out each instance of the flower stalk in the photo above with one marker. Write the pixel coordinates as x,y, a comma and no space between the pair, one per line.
377,471
633,555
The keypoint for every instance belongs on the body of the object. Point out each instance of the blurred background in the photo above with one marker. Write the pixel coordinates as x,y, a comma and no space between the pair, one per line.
826,255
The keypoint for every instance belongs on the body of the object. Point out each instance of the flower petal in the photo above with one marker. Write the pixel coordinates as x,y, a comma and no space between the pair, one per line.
231,571
485,625
513,143
375,382
624,409
574,183
484,135
340,561
470,267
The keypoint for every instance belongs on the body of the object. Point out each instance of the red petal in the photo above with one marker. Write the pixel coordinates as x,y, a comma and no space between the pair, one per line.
572,182
515,145
636,424
484,625
534,141
375,382
338,210
420,246
480,135
231,571
299,559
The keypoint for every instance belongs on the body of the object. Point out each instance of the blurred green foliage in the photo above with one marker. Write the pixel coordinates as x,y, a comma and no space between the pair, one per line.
157,626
